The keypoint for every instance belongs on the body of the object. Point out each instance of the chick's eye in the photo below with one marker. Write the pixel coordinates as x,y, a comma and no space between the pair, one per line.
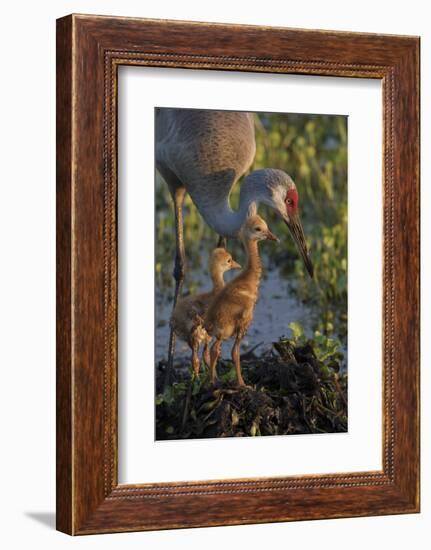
229,261
258,229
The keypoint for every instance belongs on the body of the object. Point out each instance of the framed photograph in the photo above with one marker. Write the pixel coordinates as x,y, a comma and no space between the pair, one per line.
237,274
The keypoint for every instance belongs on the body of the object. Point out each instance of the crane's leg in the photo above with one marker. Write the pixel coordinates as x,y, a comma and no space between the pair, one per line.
222,242
237,361
179,270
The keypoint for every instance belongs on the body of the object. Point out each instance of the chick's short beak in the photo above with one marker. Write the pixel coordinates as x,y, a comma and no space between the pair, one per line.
271,237
235,265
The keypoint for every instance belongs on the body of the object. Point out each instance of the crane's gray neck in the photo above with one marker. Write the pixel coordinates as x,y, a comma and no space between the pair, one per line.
227,222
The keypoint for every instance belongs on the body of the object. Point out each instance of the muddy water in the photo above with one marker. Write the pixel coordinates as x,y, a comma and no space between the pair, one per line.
276,308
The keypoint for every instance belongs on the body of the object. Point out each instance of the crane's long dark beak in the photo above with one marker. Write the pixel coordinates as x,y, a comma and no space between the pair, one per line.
295,227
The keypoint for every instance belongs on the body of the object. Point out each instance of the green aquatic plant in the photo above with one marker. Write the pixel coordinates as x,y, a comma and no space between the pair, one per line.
326,349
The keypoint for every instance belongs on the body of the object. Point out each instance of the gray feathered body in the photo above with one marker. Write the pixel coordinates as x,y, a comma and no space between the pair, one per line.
206,152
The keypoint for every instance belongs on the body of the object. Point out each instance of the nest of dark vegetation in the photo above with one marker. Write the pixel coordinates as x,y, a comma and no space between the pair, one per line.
292,392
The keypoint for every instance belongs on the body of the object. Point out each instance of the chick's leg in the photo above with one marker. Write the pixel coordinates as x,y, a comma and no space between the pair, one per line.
214,356
237,362
206,353
195,357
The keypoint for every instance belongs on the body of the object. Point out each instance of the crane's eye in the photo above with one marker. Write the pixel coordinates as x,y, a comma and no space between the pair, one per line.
289,202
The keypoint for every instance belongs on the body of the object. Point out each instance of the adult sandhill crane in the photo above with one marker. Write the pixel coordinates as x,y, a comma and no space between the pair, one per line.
204,153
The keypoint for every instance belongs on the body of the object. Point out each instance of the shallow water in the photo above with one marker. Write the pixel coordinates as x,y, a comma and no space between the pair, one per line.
277,306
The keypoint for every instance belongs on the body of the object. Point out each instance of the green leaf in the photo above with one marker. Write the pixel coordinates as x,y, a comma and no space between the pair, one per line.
297,330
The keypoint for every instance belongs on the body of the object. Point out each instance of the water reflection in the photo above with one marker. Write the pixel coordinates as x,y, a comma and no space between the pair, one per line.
276,308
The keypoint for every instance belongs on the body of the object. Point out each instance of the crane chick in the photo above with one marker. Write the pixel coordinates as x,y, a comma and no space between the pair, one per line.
187,318
231,311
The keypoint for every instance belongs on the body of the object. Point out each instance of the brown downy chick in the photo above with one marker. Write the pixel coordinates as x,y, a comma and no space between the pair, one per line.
187,318
231,311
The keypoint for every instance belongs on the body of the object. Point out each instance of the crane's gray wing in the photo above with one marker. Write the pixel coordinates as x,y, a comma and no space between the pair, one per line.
206,151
